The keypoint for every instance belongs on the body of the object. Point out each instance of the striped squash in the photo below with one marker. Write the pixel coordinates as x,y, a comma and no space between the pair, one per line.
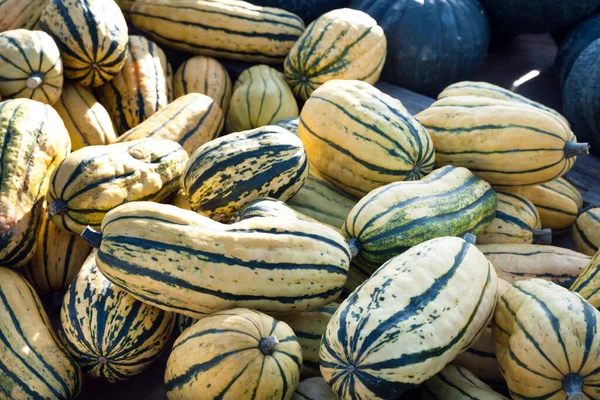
230,171
558,203
517,221
184,262
182,322
204,75
85,118
516,262
314,389
450,201
191,120
110,334
359,138
92,38
309,327
341,44
587,283
58,257
30,66
94,180
33,141
290,124
140,89
260,97
504,142
234,353
457,383
220,28
547,341
586,232
35,365
411,318
20,14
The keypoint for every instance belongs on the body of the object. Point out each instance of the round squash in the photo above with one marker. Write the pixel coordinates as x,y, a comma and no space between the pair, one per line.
92,38
20,14
204,75
30,66
586,232
308,10
232,354
430,43
314,389
342,44
573,44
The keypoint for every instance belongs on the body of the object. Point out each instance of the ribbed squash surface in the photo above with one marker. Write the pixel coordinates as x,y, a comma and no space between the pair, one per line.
586,232
588,282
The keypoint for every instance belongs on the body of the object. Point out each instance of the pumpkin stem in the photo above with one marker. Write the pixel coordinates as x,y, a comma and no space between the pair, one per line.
543,236
355,247
92,237
58,206
470,238
573,149
267,344
34,81
572,384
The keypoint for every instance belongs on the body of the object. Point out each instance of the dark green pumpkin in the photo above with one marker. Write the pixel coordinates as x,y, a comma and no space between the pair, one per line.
574,44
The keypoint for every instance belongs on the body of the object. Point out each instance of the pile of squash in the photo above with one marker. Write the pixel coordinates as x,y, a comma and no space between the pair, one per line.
299,232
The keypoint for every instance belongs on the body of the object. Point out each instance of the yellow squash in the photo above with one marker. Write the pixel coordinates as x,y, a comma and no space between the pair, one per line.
588,282
20,14
586,231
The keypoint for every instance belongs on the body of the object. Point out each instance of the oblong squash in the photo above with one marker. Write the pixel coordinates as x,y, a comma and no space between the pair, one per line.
313,389
587,283
85,118
191,120
35,365
504,142
341,44
220,28
457,383
359,138
125,6
20,14
92,38
204,75
247,351
112,335
94,180
260,97
269,264
391,333
140,88
33,141
58,257
516,262
450,201
30,66
586,232
230,171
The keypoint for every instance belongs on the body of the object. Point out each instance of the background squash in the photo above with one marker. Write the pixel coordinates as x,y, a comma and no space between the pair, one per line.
314,389
573,44
588,283
308,10
586,232
457,383
20,14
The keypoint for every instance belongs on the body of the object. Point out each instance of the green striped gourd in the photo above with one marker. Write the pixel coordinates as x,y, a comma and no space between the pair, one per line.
85,118
290,124
313,389
184,262
587,283
359,138
231,354
140,89
517,221
558,203
35,365
92,38
547,340
450,201
204,75
341,44
230,171
220,28
412,317
260,97
94,180
457,383
586,232
110,334
191,120
516,261
504,142
309,327
30,66
33,141
58,257
20,14
182,322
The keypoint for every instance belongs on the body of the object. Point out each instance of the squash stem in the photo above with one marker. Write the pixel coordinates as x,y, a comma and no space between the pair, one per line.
470,238
92,237
574,149
58,206
34,81
543,236
267,344
355,247
572,384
